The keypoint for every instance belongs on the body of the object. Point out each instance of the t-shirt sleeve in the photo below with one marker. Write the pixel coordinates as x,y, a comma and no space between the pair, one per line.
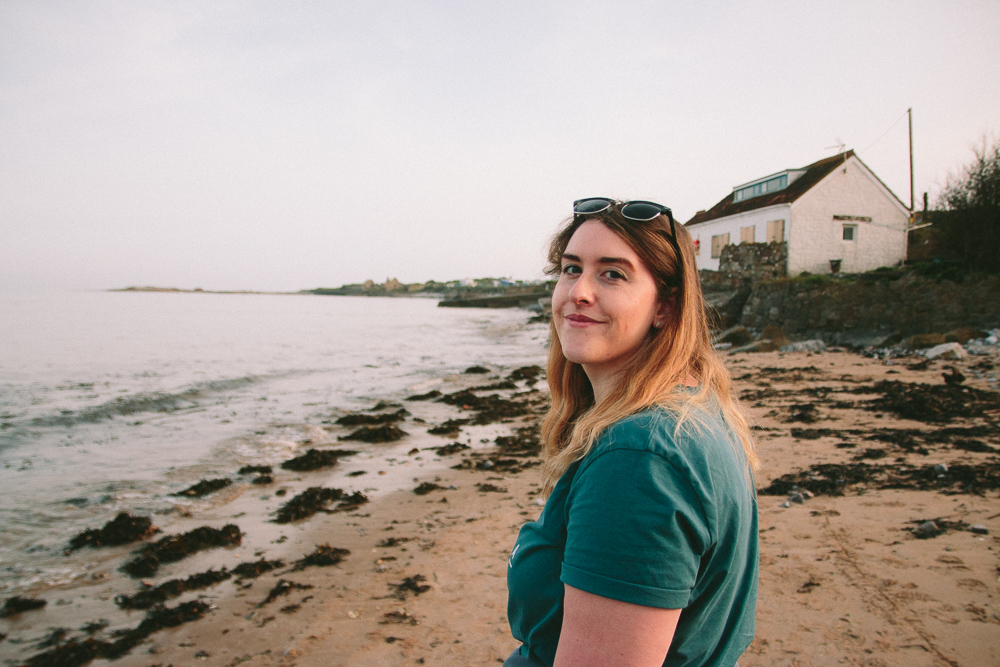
636,531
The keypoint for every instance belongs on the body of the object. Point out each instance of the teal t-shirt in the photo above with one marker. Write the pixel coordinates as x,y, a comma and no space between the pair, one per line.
650,517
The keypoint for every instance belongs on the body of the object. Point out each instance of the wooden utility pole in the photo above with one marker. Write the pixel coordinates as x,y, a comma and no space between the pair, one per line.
909,114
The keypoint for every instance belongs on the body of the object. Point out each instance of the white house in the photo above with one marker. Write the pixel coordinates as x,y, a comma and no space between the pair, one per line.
834,209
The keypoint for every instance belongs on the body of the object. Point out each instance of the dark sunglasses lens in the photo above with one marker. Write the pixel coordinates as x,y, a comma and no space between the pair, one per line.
586,206
641,211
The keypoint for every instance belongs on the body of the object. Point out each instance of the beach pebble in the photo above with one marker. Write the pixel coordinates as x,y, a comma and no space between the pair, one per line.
926,530
797,498
941,468
979,529
813,345
946,351
786,504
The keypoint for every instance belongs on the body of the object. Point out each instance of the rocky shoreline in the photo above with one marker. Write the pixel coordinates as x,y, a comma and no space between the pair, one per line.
860,454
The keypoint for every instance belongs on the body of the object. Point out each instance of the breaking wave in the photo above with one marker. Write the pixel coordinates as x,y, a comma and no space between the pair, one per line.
144,403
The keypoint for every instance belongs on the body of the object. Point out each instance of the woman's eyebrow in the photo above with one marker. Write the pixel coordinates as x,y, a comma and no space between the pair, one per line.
603,260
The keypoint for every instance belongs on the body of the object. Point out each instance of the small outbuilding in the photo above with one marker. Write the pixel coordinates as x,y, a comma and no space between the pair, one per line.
834,215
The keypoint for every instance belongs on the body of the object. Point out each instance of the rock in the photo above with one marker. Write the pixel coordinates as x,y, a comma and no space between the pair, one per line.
979,529
797,498
859,339
964,335
812,345
946,351
774,334
735,336
941,468
922,341
927,530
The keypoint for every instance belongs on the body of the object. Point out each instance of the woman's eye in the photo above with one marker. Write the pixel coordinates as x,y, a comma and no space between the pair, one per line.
570,269
613,274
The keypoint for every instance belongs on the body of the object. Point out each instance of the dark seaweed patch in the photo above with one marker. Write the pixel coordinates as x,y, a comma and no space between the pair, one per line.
410,585
283,587
256,568
476,370
262,480
450,449
488,409
323,556
491,487
151,596
449,428
930,403
147,560
530,373
426,487
123,529
360,419
425,397
250,470
524,442
18,605
77,652
316,459
836,479
385,433
204,487
802,412
312,500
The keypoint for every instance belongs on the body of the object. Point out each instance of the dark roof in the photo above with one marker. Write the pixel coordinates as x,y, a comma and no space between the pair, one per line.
814,174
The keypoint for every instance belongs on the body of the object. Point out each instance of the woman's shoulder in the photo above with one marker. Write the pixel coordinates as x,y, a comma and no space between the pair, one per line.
655,430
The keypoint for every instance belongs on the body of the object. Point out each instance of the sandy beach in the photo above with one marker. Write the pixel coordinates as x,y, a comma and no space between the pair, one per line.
850,571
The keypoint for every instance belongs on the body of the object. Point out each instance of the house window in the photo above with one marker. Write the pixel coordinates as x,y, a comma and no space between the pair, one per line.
764,187
719,242
746,234
850,232
775,231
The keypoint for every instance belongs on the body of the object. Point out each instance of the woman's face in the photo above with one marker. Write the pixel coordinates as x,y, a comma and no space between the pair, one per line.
605,301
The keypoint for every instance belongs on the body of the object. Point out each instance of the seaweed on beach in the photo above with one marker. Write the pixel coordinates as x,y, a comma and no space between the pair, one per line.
80,651
123,529
154,595
929,403
204,487
360,419
316,459
147,560
485,488
18,605
323,556
837,479
495,386
262,480
250,470
283,587
348,503
524,442
309,502
410,585
476,370
431,395
450,449
426,487
256,568
488,409
449,428
495,464
529,373
384,433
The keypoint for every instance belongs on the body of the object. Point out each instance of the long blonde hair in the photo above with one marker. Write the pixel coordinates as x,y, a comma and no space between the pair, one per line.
666,358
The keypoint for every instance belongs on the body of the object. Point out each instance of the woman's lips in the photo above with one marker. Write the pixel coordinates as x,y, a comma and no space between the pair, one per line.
576,319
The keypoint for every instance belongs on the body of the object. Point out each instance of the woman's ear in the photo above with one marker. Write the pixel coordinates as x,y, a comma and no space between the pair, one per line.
664,309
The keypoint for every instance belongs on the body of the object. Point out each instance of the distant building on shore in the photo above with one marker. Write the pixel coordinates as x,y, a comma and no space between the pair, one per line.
833,215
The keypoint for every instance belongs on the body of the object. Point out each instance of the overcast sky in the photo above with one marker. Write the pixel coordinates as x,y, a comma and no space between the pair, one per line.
280,146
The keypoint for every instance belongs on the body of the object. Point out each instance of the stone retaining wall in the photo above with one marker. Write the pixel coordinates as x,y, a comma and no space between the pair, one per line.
891,302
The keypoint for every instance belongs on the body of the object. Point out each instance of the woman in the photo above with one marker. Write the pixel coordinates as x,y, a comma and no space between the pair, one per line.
646,551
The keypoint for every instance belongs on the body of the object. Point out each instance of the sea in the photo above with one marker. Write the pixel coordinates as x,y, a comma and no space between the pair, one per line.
113,401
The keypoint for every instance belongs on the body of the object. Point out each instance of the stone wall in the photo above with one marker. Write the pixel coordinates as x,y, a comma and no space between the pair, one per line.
756,261
885,301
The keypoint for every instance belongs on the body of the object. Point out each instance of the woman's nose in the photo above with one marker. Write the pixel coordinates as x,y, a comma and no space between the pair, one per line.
582,290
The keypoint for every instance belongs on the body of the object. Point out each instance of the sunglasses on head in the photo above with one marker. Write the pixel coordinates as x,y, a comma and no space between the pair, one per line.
637,211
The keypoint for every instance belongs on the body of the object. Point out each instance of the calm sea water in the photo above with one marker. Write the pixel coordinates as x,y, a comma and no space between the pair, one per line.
111,401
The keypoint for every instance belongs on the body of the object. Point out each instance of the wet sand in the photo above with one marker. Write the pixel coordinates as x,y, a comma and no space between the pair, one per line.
844,578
